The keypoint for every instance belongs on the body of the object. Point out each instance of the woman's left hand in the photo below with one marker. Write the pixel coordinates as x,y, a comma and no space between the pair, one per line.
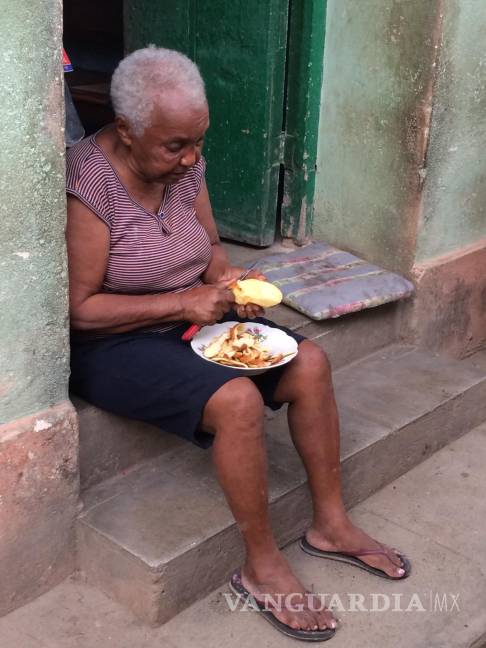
230,276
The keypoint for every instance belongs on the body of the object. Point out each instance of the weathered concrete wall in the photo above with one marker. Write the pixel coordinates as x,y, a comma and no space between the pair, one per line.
448,313
454,209
376,103
39,476
39,488
33,295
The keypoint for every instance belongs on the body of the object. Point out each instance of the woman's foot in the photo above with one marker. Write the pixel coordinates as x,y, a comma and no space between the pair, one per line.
345,537
271,578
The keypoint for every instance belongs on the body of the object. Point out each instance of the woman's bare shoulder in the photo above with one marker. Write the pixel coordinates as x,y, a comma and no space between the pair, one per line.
106,139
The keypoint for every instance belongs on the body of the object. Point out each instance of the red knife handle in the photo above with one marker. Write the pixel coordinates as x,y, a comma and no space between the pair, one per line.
190,333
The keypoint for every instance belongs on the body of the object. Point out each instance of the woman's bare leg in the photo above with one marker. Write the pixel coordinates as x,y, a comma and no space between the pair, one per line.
234,415
313,421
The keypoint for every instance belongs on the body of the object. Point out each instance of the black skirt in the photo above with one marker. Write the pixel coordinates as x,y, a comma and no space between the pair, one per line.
157,378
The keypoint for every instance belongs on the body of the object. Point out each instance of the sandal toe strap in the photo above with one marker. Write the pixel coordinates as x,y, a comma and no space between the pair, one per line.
379,551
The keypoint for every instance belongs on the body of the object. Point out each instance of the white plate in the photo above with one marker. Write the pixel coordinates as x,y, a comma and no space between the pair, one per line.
273,339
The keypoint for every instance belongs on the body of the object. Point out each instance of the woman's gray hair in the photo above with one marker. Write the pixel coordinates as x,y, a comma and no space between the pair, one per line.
141,79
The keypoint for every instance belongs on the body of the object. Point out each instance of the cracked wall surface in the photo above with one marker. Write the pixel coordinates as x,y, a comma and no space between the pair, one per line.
454,208
400,174
34,352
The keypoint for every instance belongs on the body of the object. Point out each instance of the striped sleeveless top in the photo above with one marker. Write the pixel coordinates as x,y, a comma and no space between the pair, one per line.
149,253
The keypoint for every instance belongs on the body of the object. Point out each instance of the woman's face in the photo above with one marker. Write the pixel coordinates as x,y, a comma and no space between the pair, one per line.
172,144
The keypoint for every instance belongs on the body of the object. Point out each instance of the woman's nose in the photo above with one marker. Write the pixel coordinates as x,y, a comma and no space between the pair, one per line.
190,157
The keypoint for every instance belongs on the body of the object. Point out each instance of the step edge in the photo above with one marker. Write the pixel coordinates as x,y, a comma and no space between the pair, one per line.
157,565
143,465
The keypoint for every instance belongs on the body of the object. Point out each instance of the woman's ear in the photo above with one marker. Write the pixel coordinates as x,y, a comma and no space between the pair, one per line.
123,129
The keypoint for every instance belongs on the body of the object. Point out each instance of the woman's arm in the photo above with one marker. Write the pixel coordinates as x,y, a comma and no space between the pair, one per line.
88,242
219,264
219,268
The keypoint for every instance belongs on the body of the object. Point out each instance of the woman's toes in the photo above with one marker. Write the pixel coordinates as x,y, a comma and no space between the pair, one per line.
393,570
399,571
301,621
311,621
399,556
324,623
396,557
398,564
326,620
308,620
296,621
323,617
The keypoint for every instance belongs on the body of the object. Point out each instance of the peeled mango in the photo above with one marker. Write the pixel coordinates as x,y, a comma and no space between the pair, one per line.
255,291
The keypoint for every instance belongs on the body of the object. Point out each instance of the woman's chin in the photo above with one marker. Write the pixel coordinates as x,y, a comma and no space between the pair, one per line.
175,177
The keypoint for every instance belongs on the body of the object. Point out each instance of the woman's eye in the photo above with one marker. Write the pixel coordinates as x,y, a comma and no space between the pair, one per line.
173,148
177,147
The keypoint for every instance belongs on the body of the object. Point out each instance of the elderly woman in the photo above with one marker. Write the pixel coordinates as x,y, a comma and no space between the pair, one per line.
145,260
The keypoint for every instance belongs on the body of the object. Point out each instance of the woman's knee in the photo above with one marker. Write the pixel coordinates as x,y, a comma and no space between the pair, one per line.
237,402
314,360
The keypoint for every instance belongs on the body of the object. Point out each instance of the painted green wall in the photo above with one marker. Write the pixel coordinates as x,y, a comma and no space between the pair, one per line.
33,296
378,66
454,210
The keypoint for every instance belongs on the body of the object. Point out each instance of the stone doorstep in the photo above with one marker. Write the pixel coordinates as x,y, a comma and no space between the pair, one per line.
110,444
412,513
162,537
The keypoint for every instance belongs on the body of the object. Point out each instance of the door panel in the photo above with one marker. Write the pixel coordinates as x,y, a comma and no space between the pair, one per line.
240,47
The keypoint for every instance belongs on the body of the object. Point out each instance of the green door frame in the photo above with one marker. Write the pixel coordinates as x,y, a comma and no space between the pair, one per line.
307,28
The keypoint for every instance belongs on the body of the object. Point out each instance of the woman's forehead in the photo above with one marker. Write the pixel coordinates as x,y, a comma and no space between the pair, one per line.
180,118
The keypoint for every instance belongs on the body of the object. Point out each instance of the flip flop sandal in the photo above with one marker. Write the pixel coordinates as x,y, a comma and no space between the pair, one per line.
244,595
351,559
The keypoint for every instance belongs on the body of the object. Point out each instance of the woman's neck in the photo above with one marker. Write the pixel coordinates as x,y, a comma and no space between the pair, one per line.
147,193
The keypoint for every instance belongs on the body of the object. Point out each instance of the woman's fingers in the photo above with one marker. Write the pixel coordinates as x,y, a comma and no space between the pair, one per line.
257,311
256,274
249,311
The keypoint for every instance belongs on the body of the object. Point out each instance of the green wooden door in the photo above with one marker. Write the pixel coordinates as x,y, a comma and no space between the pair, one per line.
241,48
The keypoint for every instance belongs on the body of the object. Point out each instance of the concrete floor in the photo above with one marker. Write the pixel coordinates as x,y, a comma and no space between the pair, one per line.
436,513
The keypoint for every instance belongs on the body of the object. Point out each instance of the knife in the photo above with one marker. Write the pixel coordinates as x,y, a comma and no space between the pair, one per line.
195,328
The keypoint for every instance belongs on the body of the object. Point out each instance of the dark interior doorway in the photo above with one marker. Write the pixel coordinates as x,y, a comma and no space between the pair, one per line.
93,40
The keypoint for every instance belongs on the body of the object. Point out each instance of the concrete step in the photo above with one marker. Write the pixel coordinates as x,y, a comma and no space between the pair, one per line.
110,444
161,537
413,513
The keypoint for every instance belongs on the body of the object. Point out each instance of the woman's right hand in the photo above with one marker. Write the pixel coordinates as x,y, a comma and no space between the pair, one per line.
206,304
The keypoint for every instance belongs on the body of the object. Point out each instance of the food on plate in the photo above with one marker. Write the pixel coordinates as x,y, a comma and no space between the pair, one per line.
240,347
255,291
